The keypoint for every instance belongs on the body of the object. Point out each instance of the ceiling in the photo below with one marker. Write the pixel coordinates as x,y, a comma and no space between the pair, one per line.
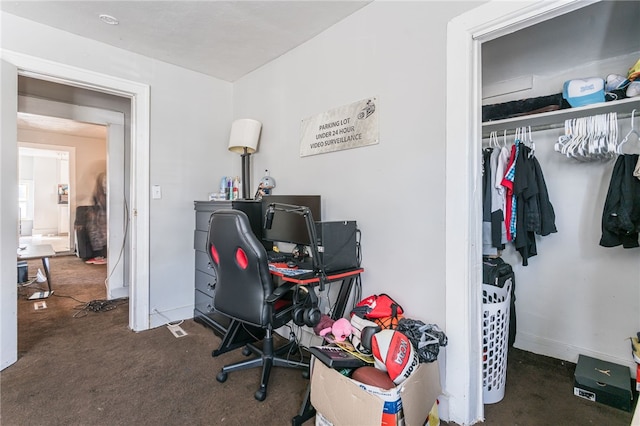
223,39
60,125
229,39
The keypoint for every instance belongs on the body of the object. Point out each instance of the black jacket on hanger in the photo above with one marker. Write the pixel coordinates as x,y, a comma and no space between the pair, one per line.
621,215
534,212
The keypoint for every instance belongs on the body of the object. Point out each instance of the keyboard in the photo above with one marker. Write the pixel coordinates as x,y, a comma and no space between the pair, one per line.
335,357
276,257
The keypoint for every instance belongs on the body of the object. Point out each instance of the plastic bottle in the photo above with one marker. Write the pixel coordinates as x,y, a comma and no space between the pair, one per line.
223,188
236,188
229,189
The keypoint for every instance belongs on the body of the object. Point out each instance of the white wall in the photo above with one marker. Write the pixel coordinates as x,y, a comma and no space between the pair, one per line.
90,159
45,218
394,190
190,116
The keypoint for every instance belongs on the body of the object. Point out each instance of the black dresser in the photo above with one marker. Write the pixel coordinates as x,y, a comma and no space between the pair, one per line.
205,276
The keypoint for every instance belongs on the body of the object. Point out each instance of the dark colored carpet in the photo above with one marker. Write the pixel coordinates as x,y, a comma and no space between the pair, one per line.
539,391
93,370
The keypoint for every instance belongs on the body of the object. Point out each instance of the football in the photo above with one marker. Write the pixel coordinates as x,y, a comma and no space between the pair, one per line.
373,377
394,354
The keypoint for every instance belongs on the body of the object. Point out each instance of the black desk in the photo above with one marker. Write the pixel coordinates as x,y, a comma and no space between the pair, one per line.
234,335
39,251
348,278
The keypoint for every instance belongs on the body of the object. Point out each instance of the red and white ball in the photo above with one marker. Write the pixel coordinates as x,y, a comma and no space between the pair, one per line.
394,353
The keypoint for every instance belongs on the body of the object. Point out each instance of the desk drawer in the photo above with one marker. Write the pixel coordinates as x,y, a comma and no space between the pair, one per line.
202,220
203,263
200,240
205,283
203,302
203,213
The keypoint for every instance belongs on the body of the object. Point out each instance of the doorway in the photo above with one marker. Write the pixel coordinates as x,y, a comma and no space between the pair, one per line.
44,199
137,222
100,152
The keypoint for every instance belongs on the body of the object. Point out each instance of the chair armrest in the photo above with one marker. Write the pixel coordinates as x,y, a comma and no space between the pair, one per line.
279,292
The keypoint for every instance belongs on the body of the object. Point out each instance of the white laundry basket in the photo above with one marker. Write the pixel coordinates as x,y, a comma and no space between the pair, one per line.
495,337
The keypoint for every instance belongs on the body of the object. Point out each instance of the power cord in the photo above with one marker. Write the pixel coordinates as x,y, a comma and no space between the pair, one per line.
69,297
293,337
98,305
168,319
358,247
124,240
357,292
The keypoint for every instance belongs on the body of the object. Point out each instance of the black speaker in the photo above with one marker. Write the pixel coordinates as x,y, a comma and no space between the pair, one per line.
337,245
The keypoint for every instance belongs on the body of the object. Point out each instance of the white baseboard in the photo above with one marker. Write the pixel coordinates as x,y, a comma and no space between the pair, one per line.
118,292
563,351
160,318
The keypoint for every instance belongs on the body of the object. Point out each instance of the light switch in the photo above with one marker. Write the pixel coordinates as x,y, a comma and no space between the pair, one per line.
156,192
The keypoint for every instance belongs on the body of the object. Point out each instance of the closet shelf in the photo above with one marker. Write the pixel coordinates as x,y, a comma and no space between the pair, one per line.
555,119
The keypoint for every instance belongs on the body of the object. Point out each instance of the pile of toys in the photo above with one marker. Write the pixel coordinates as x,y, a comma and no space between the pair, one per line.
390,344
379,347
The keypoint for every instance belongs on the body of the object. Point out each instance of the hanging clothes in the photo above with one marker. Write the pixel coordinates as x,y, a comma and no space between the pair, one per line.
534,211
493,226
510,199
487,247
498,230
621,214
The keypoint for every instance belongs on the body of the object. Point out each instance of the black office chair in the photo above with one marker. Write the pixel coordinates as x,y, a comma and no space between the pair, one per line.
246,293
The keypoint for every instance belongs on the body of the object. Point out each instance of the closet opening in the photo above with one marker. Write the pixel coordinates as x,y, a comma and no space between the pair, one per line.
563,285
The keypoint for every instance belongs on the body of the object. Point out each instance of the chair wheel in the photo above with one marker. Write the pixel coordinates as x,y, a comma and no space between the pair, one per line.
246,351
260,395
221,377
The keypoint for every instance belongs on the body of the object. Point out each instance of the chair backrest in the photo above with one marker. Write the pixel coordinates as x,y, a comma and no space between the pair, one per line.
242,268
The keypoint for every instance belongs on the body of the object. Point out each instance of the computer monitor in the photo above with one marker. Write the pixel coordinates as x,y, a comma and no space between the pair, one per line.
289,227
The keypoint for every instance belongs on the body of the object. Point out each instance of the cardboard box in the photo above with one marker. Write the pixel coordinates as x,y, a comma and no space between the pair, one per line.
604,382
342,401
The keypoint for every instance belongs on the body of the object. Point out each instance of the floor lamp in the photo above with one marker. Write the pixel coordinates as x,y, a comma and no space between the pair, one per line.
245,134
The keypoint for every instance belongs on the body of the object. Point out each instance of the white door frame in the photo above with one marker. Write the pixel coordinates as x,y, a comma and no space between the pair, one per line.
465,34
139,207
116,282
8,214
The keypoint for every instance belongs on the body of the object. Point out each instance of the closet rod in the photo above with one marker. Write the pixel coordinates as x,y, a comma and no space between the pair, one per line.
511,124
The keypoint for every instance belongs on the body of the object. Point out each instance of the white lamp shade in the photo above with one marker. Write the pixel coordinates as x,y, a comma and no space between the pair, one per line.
245,133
